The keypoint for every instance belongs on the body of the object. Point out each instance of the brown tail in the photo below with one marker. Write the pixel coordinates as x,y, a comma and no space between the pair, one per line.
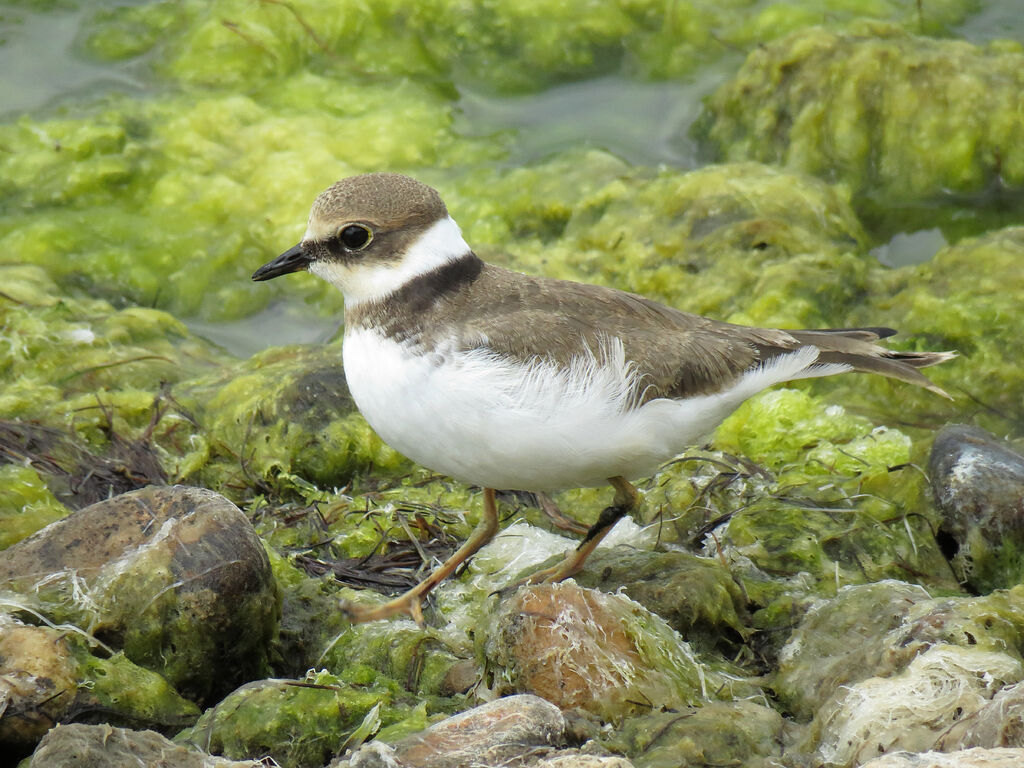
856,348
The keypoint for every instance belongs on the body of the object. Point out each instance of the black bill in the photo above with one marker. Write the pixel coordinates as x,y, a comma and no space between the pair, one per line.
292,260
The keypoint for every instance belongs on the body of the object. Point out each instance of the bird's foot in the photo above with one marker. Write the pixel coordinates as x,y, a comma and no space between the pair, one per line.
410,603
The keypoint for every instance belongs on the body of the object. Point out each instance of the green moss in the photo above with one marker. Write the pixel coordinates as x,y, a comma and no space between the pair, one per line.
26,504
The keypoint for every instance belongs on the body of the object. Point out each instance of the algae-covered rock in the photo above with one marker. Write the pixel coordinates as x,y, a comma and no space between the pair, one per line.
420,658
300,723
175,577
964,758
48,676
508,46
835,498
999,723
507,731
696,596
912,709
285,413
871,109
73,351
965,299
979,486
883,667
76,746
744,242
841,641
715,733
604,653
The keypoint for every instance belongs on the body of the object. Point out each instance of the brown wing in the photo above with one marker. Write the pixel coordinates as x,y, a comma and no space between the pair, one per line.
677,354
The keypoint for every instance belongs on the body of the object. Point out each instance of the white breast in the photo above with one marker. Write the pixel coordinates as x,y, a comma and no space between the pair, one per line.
539,427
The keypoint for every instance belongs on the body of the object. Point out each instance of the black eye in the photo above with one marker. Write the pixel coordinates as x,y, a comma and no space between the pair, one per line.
354,236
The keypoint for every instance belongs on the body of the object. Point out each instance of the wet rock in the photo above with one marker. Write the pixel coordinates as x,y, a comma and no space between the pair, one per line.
37,676
173,576
695,595
604,653
1000,723
979,487
102,746
842,641
49,676
910,710
967,758
718,733
502,732
297,722
521,731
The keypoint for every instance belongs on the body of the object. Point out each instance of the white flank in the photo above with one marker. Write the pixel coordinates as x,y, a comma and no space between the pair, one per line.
367,281
538,426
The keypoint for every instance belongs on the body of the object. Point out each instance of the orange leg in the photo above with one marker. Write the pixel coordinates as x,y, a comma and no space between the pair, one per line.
626,500
410,601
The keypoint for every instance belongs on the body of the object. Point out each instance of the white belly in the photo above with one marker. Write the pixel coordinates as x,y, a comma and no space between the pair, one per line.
537,427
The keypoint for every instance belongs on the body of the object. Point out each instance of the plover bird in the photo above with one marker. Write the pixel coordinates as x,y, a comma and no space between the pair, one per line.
512,381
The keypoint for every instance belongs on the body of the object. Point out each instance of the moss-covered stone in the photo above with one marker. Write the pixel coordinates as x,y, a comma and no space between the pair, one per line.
50,675
300,723
174,577
716,733
870,108
278,419
602,653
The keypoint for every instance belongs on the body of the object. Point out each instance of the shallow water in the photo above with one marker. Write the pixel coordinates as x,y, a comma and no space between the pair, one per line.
42,66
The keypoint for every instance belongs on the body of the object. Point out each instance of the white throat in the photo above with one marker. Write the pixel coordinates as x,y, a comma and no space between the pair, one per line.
441,243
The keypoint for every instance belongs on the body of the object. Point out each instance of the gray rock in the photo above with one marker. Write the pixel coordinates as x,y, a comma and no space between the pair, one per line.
978,483
509,732
101,746
967,758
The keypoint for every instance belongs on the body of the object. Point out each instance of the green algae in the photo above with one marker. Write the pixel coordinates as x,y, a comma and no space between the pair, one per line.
52,675
26,504
61,353
509,46
265,422
717,733
831,497
90,196
298,722
870,108
966,298
133,692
